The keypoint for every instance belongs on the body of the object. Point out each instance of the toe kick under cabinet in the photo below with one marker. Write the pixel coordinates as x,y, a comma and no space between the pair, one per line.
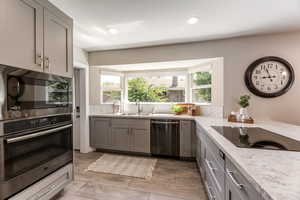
127,135
223,181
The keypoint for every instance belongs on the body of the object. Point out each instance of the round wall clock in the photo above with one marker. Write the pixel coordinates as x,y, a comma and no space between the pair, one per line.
269,77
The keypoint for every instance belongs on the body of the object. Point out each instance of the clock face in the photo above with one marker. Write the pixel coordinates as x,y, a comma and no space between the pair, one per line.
269,77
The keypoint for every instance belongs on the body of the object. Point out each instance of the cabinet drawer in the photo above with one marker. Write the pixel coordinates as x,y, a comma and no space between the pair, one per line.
212,191
47,187
242,186
216,173
215,151
131,123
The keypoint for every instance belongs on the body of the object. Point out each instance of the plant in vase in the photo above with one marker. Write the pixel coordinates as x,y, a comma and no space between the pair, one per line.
244,103
177,109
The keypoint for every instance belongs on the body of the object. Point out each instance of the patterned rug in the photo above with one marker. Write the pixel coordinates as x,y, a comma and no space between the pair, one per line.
139,167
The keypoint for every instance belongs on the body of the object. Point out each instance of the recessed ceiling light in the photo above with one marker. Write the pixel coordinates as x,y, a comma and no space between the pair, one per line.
193,20
100,30
113,31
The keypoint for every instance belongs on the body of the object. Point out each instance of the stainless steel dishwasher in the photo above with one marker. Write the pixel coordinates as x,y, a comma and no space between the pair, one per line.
165,138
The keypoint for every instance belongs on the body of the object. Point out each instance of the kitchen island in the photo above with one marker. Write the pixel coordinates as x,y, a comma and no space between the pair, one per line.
274,174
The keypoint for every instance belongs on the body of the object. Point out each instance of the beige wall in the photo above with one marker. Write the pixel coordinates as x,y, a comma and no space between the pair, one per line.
238,53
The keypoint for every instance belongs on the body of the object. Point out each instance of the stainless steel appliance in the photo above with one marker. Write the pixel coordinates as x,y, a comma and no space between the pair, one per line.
165,138
31,149
25,93
257,138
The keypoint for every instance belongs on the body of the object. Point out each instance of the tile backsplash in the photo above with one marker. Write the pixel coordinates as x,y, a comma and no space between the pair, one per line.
206,110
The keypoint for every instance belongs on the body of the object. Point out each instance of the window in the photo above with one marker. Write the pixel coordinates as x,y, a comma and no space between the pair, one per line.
111,88
201,87
157,88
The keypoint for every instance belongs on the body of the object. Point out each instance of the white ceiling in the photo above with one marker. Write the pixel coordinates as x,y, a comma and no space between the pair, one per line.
154,22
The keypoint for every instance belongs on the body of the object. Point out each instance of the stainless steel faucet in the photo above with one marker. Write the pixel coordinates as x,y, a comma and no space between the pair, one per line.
140,108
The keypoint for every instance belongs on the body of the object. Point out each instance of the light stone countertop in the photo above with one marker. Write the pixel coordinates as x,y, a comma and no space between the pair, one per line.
144,116
274,174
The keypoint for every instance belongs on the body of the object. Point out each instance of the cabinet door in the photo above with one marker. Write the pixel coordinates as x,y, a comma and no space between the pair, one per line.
237,186
185,139
198,152
140,140
58,45
21,34
232,193
100,133
121,139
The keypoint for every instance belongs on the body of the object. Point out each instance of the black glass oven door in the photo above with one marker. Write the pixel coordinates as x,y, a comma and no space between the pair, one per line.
26,93
26,152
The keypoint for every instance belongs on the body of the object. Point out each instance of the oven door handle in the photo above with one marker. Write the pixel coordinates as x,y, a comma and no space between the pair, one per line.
38,134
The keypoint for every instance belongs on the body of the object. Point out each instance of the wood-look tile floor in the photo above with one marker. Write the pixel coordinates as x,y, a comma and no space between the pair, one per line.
172,180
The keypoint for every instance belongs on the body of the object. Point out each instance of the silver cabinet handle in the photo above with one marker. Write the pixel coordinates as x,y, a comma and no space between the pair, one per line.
212,169
47,63
235,182
39,60
38,134
210,194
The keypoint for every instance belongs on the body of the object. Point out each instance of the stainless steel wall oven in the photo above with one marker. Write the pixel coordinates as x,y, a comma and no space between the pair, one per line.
31,149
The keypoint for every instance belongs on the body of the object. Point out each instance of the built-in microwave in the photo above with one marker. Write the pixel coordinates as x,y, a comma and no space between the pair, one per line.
25,93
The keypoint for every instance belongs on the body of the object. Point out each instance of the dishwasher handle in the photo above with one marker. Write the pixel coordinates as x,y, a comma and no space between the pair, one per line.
162,122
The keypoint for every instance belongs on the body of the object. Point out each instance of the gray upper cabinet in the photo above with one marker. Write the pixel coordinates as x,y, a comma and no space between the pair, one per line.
36,36
58,45
100,133
21,34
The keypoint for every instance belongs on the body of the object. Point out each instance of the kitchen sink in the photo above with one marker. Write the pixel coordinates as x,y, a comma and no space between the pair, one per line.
134,114
162,114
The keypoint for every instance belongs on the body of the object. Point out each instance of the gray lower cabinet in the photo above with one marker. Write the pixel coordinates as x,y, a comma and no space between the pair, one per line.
222,179
140,140
211,188
198,152
100,133
129,135
201,151
187,141
121,139
237,186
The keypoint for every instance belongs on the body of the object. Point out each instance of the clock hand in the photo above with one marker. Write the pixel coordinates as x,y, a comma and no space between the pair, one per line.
270,77
264,77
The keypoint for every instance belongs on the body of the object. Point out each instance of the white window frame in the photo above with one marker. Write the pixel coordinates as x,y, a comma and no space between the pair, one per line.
206,68
215,68
102,90
178,72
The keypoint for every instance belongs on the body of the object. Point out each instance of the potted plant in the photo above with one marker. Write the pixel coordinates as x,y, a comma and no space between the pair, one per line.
244,103
177,109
